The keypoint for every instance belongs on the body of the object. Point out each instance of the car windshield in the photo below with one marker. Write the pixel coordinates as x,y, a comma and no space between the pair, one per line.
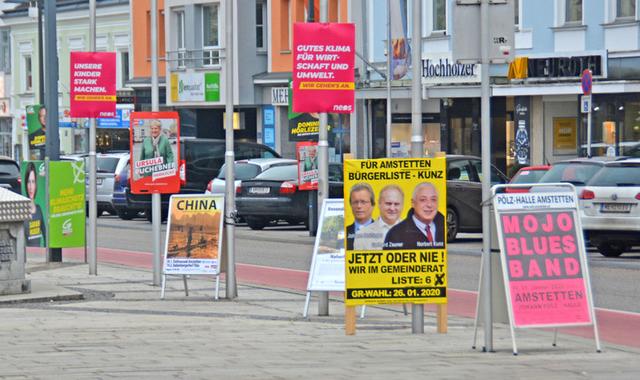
576,173
107,164
9,169
242,171
280,173
617,175
528,176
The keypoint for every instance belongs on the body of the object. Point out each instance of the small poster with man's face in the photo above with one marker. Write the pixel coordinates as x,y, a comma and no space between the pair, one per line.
155,150
307,153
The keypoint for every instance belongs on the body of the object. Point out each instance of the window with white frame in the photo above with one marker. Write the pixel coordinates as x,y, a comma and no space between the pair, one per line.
439,16
5,51
261,21
27,73
625,9
210,35
180,38
573,12
123,71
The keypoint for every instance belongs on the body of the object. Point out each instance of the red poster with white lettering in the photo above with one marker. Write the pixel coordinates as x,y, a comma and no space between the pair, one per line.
323,67
544,261
93,84
155,152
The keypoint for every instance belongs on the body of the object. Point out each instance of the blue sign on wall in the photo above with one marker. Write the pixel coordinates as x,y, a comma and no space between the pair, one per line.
268,127
120,121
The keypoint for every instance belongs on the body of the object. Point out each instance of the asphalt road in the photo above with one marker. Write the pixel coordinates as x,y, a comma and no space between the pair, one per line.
614,280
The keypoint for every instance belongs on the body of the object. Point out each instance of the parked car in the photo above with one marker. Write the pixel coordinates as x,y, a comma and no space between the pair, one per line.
610,207
203,159
124,209
576,171
464,193
273,195
10,174
633,151
243,170
527,175
107,166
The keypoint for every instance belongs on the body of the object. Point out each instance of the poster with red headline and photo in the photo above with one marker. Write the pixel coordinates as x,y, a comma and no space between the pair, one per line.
543,259
93,84
323,67
155,152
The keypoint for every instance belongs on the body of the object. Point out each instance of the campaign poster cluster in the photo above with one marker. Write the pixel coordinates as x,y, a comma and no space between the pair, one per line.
194,237
155,152
543,259
395,231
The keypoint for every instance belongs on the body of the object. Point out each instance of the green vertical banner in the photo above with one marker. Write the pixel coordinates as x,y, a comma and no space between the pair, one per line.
66,204
33,187
212,87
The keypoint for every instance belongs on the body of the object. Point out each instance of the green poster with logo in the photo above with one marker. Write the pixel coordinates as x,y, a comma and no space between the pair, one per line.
36,121
67,204
212,87
33,187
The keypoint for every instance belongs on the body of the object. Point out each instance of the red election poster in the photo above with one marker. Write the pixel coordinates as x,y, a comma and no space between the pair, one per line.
307,153
93,84
323,67
155,152
543,259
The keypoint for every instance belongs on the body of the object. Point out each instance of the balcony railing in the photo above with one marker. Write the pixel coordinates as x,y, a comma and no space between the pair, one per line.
206,57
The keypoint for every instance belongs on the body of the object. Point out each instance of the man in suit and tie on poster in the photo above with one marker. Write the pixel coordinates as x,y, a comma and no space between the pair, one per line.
424,225
362,201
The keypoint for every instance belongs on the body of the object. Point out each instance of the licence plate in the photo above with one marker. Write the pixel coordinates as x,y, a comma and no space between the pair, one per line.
259,190
616,207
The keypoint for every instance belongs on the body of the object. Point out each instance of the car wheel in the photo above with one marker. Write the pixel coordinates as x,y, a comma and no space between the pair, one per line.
452,224
126,215
256,223
611,249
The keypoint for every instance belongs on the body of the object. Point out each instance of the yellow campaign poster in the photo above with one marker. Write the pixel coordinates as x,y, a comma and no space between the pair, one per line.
194,234
395,228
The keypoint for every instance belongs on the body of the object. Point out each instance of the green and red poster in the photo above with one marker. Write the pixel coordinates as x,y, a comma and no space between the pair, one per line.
63,224
66,204
36,122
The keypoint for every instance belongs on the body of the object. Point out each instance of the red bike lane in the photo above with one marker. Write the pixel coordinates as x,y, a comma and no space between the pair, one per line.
616,327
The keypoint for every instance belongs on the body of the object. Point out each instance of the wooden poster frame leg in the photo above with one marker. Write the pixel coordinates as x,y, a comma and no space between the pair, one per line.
349,320
442,317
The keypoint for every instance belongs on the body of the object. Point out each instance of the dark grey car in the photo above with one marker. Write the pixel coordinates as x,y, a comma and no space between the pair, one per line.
464,193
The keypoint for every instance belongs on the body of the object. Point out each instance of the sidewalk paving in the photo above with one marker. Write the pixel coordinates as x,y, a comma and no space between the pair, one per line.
121,329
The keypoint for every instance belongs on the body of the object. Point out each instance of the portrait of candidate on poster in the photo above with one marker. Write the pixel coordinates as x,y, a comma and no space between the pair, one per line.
395,231
194,231
307,154
155,150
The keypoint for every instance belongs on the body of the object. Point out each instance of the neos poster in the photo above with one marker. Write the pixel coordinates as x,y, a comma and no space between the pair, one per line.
93,84
323,67
194,234
543,259
155,152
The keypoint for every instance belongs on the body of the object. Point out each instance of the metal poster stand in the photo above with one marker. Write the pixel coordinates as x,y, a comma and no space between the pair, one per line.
219,201
556,189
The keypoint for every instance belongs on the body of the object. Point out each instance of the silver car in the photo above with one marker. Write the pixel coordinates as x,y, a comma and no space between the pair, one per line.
610,207
245,169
